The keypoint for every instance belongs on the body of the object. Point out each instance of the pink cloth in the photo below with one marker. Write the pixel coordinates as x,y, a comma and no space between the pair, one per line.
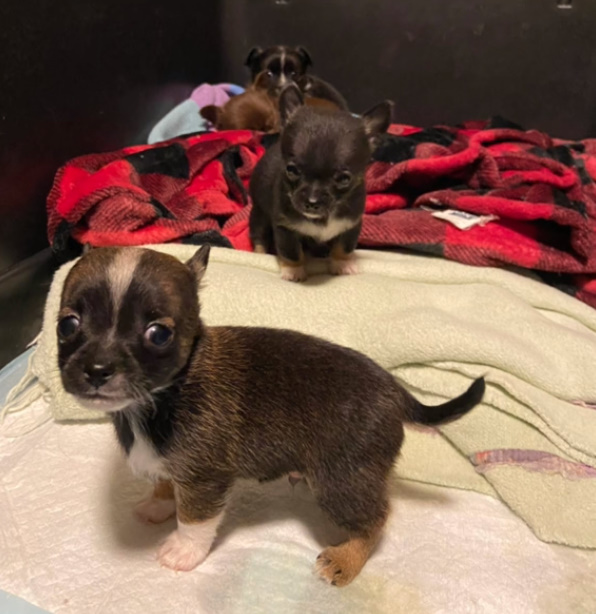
218,94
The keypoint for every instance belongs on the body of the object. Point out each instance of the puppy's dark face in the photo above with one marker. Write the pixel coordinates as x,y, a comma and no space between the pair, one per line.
325,153
280,65
127,323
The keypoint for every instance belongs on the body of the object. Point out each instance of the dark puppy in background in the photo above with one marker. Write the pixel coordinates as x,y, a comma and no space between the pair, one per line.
196,408
308,189
283,65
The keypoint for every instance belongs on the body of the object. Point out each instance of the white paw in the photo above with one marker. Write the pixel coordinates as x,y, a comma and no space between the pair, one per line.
180,553
346,266
293,273
155,511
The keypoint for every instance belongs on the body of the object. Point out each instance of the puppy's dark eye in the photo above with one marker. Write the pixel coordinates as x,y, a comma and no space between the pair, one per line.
270,73
159,335
292,171
343,179
292,73
68,326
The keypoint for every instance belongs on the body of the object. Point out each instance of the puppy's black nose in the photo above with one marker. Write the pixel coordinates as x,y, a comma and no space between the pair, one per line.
98,374
313,203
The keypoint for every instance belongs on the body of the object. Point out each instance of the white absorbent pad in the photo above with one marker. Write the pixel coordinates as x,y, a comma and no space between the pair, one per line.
70,544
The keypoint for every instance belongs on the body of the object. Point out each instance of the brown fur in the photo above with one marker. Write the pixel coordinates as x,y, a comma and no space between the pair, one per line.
238,403
255,109
252,110
163,490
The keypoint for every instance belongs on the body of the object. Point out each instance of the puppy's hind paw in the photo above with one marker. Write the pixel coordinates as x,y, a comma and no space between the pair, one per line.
344,266
293,273
155,511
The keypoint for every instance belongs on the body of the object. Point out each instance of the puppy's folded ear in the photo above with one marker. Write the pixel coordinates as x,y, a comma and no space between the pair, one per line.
210,113
290,100
304,56
198,263
377,120
254,55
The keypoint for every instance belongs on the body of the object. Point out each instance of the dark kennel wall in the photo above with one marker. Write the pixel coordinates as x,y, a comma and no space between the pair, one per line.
441,61
79,76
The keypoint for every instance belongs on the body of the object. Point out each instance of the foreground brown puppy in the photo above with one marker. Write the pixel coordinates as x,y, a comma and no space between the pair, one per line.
195,408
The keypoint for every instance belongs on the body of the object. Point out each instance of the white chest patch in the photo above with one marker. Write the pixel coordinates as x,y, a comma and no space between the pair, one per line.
143,459
323,232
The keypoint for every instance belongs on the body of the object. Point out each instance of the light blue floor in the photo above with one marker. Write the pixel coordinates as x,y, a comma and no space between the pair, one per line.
9,604
9,376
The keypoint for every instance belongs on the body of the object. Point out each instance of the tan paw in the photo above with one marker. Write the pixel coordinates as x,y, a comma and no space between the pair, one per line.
336,566
293,273
155,511
344,266
181,553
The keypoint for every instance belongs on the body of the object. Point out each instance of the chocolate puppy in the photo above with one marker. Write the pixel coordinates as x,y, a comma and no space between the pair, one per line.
196,408
283,65
308,189
254,109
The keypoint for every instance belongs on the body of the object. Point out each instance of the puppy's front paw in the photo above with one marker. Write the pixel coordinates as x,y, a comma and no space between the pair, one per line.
155,511
344,266
181,553
293,273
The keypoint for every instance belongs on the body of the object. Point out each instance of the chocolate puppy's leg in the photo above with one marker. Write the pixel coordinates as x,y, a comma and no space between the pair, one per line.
290,254
261,233
343,261
160,505
199,507
358,503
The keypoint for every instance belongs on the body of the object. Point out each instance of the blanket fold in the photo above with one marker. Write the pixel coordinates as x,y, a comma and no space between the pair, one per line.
435,325
538,193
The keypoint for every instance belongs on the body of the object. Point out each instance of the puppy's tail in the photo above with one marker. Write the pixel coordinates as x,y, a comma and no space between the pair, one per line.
433,415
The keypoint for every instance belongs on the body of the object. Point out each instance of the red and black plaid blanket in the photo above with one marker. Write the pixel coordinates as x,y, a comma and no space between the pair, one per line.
194,190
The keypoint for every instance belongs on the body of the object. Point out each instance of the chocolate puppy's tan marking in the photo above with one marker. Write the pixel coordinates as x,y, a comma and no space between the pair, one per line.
204,406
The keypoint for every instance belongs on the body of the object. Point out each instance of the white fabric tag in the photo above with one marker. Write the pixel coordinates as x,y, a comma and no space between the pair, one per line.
462,219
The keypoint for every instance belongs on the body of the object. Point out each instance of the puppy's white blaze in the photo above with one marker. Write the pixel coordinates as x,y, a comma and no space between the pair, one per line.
120,274
143,459
323,232
282,76
189,544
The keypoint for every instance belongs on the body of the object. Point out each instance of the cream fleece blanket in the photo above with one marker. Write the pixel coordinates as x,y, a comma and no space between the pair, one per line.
435,325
